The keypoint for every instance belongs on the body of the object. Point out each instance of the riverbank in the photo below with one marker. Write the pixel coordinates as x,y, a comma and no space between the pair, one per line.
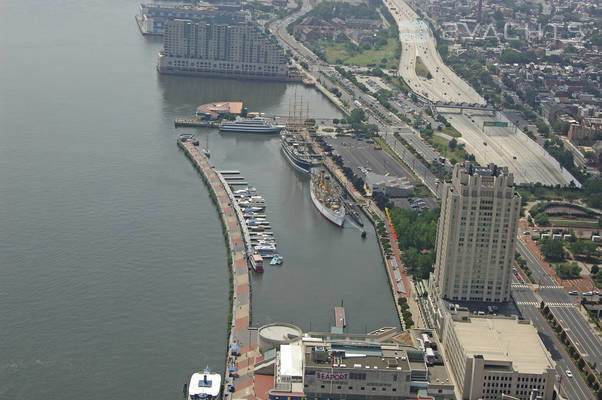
242,347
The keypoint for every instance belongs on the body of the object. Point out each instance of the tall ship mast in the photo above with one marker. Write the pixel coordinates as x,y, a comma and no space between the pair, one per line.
294,140
326,197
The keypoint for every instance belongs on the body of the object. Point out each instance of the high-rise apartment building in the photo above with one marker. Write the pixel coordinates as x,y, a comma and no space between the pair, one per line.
216,49
476,234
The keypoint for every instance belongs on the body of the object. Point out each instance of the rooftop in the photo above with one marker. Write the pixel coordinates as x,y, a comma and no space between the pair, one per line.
387,357
504,339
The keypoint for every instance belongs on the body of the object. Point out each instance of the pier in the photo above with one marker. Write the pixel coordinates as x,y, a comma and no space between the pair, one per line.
339,317
193,123
243,348
239,214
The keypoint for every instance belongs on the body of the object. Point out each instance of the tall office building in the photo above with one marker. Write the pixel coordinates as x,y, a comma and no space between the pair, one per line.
217,49
476,234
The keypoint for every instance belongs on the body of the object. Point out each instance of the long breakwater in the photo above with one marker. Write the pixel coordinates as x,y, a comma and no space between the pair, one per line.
242,341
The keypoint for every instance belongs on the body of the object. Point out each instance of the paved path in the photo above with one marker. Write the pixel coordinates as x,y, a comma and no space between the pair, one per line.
243,350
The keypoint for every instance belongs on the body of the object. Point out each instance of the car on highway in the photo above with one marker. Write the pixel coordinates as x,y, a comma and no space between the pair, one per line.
587,294
573,293
569,374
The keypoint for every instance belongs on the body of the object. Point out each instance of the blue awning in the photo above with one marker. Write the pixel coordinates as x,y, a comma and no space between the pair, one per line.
236,348
232,369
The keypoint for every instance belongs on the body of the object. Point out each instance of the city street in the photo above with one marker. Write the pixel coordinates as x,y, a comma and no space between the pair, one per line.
571,388
561,304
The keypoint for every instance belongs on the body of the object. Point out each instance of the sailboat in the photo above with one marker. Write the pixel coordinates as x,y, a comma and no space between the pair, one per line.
206,149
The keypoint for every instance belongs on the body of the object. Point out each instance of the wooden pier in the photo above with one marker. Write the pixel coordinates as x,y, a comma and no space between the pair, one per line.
193,123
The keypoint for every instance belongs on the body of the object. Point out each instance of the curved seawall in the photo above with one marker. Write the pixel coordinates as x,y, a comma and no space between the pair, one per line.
242,347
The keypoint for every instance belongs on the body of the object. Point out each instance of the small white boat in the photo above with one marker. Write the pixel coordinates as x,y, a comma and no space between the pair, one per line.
276,260
265,250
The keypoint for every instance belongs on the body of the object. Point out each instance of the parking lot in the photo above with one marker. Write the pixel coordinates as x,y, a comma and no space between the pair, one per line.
415,203
361,154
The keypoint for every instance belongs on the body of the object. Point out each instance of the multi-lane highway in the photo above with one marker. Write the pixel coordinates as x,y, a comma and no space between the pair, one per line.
417,41
506,146
503,145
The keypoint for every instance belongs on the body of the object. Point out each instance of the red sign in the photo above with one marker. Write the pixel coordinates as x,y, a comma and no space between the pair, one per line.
334,376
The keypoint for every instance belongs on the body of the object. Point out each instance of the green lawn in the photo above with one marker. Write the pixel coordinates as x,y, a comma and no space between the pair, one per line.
441,145
451,131
421,69
340,51
573,223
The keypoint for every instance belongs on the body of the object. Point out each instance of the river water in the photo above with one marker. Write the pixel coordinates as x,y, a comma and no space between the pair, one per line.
113,278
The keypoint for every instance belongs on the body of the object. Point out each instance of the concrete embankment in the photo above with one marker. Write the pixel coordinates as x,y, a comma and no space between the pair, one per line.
242,342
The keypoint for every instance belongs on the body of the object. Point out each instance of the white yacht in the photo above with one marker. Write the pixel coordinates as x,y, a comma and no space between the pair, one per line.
250,125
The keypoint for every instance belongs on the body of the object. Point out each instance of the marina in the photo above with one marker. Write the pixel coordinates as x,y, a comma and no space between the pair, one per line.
250,210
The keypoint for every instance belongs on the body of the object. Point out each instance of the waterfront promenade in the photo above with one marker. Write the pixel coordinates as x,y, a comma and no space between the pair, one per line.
243,350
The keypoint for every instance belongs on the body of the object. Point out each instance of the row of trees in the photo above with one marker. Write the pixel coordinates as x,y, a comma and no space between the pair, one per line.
416,234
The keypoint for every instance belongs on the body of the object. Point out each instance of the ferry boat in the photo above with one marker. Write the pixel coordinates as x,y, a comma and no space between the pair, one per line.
296,150
250,125
256,261
204,385
326,198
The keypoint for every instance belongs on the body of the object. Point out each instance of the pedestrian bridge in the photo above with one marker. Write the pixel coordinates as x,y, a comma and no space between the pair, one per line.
464,106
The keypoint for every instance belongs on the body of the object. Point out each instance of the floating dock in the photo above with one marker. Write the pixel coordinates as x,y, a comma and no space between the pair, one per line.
339,317
194,123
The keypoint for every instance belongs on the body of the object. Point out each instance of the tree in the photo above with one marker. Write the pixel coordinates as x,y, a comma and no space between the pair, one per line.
595,269
357,115
452,144
584,249
552,249
568,270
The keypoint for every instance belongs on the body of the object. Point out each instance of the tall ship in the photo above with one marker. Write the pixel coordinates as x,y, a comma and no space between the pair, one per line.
326,197
204,385
295,143
296,150
250,125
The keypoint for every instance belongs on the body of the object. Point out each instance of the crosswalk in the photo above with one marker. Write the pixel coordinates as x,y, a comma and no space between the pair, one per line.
524,285
537,303
527,303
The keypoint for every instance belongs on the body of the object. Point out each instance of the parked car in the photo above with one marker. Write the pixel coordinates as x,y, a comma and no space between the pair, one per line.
573,293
